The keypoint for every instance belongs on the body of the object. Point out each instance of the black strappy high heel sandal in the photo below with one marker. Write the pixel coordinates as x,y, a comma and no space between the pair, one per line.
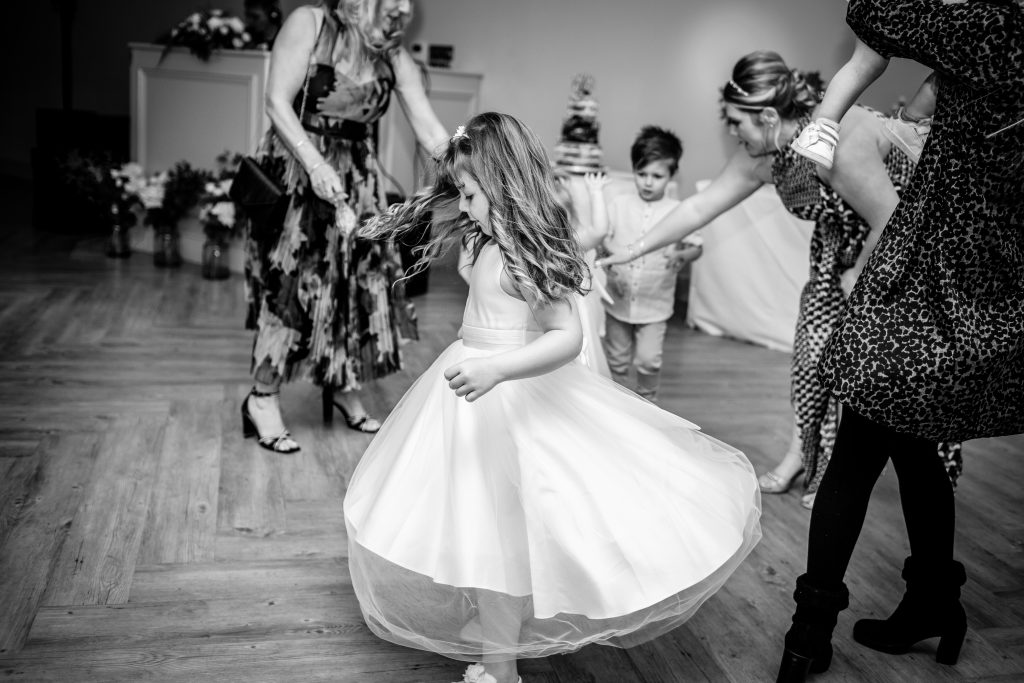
278,442
356,422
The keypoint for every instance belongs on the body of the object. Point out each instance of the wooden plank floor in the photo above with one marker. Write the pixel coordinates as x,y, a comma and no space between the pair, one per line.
141,538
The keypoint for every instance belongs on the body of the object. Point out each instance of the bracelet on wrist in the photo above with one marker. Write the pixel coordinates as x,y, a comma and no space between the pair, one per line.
315,166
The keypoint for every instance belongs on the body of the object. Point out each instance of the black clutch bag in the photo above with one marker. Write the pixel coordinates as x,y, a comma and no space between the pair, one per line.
258,191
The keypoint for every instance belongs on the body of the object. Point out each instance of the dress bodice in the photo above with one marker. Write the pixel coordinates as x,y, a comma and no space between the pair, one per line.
488,305
807,197
332,102
839,231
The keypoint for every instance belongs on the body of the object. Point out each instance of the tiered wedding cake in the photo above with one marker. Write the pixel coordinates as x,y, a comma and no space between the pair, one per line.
578,151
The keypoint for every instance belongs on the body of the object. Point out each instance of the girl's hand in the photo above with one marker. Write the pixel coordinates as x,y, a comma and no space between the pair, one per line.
472,378
595,182
326,183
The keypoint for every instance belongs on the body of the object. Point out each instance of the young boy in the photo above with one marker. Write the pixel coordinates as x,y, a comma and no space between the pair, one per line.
644,289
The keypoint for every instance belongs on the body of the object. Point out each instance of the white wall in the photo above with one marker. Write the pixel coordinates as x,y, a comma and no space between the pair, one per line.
655,61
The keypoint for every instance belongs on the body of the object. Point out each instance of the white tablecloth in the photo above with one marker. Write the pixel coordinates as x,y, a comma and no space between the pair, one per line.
747,283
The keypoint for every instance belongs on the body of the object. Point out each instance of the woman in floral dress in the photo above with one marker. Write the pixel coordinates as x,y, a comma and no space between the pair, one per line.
323,303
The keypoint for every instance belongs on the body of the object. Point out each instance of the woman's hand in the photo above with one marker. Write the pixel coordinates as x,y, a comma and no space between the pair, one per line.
683,254
613,258
472,378
326,183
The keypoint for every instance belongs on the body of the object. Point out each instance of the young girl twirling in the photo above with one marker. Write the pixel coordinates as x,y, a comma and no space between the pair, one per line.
515,503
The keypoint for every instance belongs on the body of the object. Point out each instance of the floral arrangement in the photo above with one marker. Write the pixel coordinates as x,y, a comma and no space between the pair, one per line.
128,181
118,192
218,211
150,193
170,195
206,31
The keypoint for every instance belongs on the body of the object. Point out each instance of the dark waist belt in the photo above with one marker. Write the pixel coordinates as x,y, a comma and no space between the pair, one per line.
347,130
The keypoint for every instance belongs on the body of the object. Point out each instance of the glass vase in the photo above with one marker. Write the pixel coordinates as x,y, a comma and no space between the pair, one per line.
118,246
215,261
166,253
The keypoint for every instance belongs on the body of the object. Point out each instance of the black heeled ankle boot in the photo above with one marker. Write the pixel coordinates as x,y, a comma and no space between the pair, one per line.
809,640
930,609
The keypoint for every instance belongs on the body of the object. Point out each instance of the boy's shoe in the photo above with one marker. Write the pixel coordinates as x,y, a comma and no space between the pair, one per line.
908,135
817,141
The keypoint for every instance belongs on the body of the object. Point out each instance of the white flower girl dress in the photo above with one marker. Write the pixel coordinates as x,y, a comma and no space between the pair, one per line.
551,513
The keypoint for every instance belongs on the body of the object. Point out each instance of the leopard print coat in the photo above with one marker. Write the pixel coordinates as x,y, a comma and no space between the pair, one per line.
932,342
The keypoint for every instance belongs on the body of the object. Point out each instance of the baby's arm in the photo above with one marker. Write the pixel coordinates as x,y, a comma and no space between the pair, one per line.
561,341
850,82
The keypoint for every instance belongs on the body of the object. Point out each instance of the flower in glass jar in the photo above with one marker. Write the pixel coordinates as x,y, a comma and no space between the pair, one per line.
151,193
224,212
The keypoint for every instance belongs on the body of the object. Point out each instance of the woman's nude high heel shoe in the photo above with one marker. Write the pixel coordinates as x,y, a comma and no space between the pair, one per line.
769,482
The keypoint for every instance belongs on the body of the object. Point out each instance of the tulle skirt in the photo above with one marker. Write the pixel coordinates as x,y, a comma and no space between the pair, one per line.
551,513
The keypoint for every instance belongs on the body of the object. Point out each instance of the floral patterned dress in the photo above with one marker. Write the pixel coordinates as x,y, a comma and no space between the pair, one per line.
836,242
324,304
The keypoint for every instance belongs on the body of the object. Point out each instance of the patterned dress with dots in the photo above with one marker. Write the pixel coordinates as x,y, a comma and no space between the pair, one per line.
836,241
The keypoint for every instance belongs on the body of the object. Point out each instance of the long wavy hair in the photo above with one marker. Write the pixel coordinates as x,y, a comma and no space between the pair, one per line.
369,33
528,217
762,79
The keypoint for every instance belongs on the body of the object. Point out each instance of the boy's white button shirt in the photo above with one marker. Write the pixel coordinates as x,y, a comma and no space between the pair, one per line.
643,289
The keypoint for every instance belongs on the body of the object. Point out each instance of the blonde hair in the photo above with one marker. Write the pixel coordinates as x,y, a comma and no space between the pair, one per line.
762,79
367,34
528,217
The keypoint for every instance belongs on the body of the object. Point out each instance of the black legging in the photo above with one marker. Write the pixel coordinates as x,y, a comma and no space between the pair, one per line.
861,450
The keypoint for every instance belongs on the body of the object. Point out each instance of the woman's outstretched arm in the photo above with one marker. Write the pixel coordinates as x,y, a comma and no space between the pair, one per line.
737,181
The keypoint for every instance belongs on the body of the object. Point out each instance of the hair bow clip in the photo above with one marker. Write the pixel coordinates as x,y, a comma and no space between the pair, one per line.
460,132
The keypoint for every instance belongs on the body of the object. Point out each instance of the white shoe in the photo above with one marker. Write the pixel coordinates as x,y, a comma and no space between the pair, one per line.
817,141
908,135
475,673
